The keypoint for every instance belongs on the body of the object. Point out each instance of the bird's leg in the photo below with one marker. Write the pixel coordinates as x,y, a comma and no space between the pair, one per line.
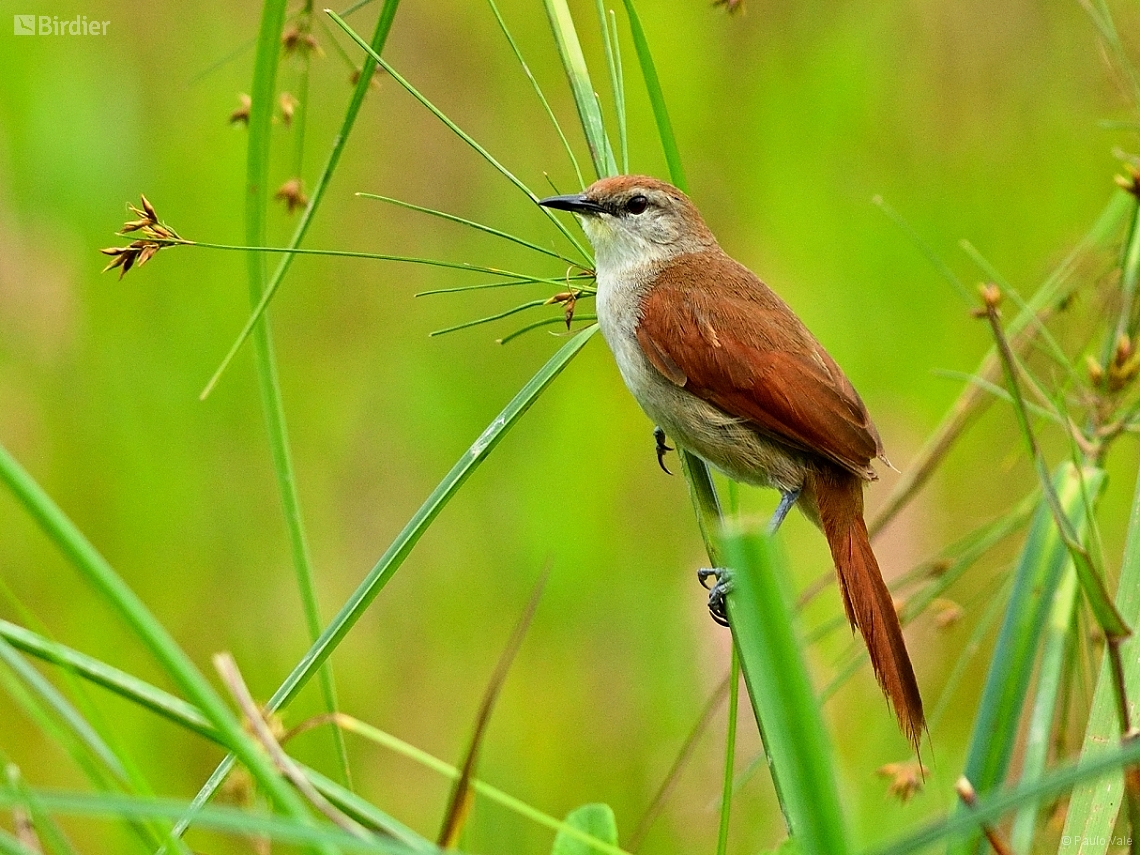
787,499
718,592
723,585
659,437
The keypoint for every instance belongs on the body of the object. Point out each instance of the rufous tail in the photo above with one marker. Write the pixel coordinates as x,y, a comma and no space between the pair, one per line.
839,496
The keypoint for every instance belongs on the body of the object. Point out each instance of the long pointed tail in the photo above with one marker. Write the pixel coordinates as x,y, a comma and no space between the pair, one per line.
839,496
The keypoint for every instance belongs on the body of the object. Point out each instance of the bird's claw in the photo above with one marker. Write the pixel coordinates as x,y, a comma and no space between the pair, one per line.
659,437
718,592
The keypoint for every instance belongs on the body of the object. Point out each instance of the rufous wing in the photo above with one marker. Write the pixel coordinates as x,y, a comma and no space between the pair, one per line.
712,327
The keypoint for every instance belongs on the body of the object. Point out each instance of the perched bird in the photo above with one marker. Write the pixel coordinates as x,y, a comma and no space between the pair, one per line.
728,371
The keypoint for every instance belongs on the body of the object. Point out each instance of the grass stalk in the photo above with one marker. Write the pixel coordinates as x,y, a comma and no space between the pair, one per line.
269,384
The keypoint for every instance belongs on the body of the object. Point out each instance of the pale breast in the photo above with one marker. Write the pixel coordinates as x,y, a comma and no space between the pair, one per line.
726,442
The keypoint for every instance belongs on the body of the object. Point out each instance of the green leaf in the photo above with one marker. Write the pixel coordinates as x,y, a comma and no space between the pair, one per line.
760,614
596,820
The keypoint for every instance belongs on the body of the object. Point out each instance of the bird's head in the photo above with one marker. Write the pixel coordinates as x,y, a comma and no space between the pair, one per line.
634,219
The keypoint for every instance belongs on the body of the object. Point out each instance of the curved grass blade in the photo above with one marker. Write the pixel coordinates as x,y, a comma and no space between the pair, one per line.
455,129
545,322
443,215
760,614
538,91
400,548
379,37
585,98
656,98
533,304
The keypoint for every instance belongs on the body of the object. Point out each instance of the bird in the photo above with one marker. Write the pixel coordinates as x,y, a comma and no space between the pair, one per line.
727,371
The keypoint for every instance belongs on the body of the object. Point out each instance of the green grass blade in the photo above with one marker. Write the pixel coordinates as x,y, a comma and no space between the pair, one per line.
273,406
545,322
379,37
186,715
585,98
760,614
619,94
1039,738
1039,571
538,91
482,788
101,674
75,734
227,820
394,557
459,132
443,215
656,98
609,40
1093,808
94,568
533,304
729,753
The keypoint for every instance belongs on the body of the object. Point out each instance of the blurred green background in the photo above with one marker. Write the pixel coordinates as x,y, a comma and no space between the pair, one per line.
973,119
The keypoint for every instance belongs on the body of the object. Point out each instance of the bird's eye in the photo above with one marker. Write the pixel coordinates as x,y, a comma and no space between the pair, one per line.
637,204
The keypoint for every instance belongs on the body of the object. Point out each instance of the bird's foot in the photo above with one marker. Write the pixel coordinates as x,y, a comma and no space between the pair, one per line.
718,592
659,438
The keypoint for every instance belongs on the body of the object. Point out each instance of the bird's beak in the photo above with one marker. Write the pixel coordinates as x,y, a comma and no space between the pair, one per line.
575,202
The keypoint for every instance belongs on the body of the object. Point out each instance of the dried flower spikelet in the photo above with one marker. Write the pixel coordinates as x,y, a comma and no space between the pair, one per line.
1124,366
292,193
239,788
241,114
354,78
730,6
298,40
966,791
1129,182
991,295
1096,372
155,236
288,105
906,778
947,613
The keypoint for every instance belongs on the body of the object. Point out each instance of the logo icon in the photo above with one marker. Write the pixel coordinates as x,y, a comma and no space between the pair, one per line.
24,25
